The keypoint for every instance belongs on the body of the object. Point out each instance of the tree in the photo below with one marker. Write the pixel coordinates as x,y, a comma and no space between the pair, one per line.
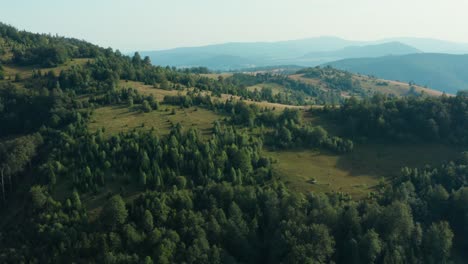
17,77
130,101
146,107
284,137
148,221
15,155
308,244
38,196
114,212
147,61
438,242
370,246
136,60
164,84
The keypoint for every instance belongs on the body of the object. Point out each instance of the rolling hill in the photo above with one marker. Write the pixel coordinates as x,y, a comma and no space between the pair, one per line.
371,85
444,72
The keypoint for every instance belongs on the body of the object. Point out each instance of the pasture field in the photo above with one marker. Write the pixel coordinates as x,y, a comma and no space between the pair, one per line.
372,84
276,88
215,76
115,119
357,172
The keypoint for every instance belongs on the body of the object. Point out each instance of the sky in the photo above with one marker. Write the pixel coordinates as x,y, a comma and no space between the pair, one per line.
130,25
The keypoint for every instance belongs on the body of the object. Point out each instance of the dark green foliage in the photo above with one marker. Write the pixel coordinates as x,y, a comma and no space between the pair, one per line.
44,50
14,156
438,242
38,197
146,107
334,79
114,212
44,56
27,111
406,119
2,72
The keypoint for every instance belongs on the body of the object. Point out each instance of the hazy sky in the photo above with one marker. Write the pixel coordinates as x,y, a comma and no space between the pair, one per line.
156,24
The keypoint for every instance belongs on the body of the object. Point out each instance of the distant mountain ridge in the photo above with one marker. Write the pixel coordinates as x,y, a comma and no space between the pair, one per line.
443,72
244,55
377,50
433,45
304,52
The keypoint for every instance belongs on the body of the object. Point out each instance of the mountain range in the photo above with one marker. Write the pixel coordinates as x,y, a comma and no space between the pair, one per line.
444,72
435,63
305,52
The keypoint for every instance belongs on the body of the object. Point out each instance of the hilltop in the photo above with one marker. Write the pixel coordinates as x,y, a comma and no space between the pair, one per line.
329,79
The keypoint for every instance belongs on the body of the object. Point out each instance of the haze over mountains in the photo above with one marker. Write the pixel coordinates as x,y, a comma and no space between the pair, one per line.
405,59
305,52
444,72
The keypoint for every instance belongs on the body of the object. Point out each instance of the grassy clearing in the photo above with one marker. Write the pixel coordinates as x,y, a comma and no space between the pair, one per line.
215,76
276,88
312,81
392,87
372,84
355,173
149,89
160,93
115,119
26,71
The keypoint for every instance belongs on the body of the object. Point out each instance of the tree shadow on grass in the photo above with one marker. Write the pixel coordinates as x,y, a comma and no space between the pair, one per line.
387,159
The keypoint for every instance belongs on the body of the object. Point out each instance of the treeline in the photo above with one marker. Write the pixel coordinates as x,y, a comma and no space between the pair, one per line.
434,119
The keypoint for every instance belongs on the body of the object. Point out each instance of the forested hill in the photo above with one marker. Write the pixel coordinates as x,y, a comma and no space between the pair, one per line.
24,48
443,72
105,158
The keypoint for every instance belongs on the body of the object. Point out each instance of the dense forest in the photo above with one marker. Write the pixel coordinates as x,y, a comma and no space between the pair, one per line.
186,198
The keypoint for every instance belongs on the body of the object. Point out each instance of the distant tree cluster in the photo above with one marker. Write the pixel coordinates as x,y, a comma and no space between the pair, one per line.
335,79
